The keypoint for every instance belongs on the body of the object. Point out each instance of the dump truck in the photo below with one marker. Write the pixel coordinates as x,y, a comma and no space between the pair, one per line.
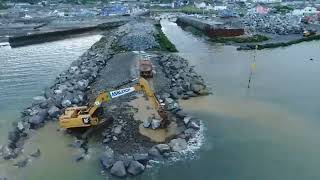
88,116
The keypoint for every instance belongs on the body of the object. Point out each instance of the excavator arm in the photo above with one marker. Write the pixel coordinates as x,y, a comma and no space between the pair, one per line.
85,116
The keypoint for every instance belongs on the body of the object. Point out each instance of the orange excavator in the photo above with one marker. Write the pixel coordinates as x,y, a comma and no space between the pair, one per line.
87,116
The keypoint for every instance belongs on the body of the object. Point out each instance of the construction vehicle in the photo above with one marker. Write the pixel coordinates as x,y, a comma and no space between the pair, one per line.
146,69
307,33
84,116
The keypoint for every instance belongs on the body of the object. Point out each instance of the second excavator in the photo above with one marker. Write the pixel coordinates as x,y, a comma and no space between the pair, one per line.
88,116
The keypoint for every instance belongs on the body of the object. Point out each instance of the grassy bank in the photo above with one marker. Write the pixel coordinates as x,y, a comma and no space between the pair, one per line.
165,44
242,39
281,44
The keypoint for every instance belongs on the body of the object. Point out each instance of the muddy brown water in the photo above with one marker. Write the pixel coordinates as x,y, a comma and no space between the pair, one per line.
270,131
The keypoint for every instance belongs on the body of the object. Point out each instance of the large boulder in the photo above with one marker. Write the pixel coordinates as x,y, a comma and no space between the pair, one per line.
118,169
163,148
7,153
154,153
20,126
187,119
13,136
155,123
178,144
53,111
189,133
194,124
66,103
135,168
147,123
141,157
36,153
106,162
36,119
22,163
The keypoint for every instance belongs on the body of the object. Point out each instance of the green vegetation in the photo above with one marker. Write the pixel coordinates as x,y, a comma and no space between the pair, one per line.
165,44
241,39
284,44
117,48
283,9
193,10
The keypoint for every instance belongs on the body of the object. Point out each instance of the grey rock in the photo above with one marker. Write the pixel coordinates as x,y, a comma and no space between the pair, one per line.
181,114
126,160
39,99
117,129
178,144
79,157
118,169
155,123
3,178
169,100
189,133
8,153
197,88
109,152
147,123
106,140
165,95
20,126
141,157
35,154
66,103
22,163
106,162
135,168
53,111
78,143
163,148
154,153
13,136
195,124
36,119
186,120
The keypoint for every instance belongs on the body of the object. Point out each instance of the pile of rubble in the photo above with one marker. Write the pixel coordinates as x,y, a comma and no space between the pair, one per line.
185,82
137,36
273,23
129,153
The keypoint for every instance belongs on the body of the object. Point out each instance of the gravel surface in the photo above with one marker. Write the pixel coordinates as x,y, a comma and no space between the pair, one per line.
273,23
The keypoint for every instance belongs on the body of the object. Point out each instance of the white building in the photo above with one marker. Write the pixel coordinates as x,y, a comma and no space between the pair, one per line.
219,8
203,5
306,10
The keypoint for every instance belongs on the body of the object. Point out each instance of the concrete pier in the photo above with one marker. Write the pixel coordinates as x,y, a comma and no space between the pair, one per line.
210,28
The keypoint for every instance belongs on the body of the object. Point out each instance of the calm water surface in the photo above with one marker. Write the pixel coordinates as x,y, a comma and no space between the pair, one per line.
24,72
270,131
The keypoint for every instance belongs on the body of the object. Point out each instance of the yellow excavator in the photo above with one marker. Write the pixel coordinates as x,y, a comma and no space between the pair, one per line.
84,116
